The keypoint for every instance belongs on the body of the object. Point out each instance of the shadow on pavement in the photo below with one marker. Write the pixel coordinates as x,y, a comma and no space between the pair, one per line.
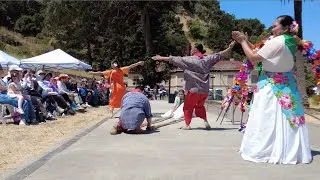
214,129
144,132
315,153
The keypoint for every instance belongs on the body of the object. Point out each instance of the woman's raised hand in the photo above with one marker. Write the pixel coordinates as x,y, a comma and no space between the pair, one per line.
141,63
238,36
157,57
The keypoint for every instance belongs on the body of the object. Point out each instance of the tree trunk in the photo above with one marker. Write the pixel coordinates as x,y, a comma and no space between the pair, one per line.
300,69
169,90
146,29
89,52
298,15
301,77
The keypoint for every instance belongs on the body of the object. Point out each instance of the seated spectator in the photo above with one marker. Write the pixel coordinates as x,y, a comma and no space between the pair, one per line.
37,100
63,97
72,85
108,91
93,94
28,109
102,93
135,108
83,92
52,96
7,79
63,90
15,91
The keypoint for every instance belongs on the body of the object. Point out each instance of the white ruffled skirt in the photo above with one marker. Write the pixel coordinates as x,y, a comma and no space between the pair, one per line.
269,138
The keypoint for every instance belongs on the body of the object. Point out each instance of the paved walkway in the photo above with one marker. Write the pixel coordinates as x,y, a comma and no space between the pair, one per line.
169,154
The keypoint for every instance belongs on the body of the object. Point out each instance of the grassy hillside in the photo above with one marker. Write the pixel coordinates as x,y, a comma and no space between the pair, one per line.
22,47
184,20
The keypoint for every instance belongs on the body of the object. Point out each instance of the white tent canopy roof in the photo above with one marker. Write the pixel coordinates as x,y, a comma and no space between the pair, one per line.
56,59
7,60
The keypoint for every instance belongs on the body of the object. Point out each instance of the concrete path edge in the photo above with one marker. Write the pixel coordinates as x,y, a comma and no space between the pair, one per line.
26,170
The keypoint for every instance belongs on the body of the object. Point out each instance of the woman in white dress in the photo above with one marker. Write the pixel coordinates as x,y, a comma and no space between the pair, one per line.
177,111
276,131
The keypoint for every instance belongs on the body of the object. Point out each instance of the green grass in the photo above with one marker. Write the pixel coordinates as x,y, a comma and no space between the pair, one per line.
21,47
184,20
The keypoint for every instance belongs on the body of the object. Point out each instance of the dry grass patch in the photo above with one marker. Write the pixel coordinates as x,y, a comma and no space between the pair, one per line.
20,143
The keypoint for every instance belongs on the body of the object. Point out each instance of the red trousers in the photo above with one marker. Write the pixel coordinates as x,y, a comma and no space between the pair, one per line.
194,102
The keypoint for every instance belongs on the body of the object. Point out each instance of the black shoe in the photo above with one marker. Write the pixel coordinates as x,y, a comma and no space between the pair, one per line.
41,118
50,118
71,111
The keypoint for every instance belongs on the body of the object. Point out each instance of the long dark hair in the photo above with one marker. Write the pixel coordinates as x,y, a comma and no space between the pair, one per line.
115,61
199,47
287,21
183,92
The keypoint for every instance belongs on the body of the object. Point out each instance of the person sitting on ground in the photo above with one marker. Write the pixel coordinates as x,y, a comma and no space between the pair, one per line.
177,111
135,108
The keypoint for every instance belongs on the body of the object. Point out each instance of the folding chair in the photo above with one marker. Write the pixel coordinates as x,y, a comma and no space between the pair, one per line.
2,112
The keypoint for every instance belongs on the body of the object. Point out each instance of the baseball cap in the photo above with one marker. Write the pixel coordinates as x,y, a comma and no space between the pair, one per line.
63,76
14,68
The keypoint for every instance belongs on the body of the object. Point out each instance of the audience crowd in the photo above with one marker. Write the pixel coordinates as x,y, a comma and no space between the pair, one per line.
32,97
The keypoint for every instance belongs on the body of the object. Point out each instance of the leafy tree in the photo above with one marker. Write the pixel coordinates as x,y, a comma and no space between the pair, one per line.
197,30
252,26
11,11
29,25
128,31
104,31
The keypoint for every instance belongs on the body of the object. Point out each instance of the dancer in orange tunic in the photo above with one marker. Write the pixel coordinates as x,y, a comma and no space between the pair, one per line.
118,88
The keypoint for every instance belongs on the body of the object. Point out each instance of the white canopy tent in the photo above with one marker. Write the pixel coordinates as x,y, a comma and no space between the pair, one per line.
6,60
56,59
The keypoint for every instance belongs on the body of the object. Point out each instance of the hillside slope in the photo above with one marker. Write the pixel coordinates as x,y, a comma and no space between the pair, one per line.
22,47
184,20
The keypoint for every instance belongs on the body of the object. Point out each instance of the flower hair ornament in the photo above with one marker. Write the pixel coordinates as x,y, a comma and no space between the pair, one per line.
294,27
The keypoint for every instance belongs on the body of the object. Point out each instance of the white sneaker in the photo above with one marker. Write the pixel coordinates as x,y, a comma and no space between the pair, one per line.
20,111
88,105
60,110
55,114
22,122
49,115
